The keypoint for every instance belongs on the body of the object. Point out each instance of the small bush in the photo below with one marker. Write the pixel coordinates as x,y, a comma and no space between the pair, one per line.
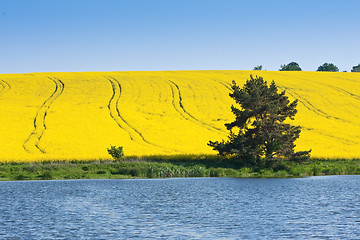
116,152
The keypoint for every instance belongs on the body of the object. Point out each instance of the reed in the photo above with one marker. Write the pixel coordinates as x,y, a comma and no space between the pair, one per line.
166,167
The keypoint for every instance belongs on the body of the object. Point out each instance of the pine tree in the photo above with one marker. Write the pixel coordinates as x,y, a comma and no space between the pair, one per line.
263,137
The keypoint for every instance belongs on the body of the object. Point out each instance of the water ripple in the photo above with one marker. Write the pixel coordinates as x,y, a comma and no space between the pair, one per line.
202,208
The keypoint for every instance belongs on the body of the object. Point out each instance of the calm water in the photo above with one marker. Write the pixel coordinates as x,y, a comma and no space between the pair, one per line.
196,208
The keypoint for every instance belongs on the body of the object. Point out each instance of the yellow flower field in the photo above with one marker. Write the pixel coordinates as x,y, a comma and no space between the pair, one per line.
77,116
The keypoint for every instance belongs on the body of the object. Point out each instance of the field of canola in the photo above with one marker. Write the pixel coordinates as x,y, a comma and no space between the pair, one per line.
77,116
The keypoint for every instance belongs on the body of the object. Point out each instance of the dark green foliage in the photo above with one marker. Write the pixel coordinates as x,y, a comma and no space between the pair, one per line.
217,172
116,152
356,68
293,66
258,67
121,171
328,67
135,172
263,138
21,177
46,175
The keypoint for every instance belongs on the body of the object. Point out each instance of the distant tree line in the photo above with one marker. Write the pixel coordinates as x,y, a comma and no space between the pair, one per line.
326,67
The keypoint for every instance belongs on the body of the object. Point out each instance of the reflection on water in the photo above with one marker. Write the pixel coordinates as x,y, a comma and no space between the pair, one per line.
183,208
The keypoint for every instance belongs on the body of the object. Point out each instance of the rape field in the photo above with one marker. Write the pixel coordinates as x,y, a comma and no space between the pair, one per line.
77,116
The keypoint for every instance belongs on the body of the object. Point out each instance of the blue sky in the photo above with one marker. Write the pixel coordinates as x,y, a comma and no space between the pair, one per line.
128,35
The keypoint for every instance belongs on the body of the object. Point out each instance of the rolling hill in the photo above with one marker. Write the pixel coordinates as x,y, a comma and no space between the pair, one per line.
77,116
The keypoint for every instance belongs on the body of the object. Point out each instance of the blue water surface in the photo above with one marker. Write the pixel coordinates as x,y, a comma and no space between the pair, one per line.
182,208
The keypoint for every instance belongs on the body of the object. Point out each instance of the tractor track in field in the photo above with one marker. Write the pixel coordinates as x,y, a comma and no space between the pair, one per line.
357,97
183,112
114,110
338,89
5,86
31,144
158,86
344,79
307,104
226,86
195,98
339,139
312,108
113,106
220,95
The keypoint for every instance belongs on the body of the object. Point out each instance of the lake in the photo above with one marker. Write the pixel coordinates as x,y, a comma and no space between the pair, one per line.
182,208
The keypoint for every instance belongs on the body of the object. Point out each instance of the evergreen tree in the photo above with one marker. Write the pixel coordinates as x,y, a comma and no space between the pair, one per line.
263,137
293,66
328,67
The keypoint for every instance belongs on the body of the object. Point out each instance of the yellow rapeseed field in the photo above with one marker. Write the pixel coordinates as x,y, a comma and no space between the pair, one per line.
77,116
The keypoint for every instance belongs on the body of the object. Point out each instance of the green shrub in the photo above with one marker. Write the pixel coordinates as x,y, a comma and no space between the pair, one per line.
266,173
217,172
229,172
316,170
198,171
245,172
297,171
116,152
281,174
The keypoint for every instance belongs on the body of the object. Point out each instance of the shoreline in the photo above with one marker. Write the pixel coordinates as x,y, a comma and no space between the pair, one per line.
153,167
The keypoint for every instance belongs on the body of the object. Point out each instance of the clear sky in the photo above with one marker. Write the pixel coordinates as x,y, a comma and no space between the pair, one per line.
127,35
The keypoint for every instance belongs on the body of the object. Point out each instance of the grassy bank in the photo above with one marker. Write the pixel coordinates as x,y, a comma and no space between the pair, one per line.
171,166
